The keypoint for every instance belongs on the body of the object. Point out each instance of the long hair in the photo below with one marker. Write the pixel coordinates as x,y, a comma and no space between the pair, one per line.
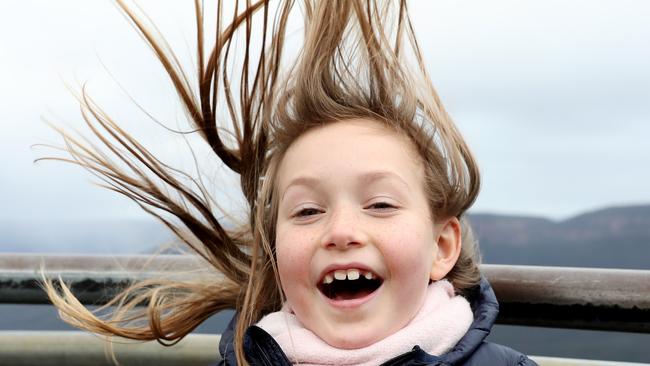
357,59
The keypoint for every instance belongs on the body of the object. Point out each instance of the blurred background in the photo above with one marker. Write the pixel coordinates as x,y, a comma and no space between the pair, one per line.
553,97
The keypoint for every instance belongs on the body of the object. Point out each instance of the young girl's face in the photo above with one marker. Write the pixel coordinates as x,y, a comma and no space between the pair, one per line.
356,245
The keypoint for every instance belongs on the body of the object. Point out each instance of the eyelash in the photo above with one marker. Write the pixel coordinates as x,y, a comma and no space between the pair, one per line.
307,212
385,206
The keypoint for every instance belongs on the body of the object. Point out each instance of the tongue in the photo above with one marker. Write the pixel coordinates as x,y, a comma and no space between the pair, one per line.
350,295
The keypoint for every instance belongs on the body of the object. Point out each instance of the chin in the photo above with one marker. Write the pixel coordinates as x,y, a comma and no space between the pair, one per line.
352,342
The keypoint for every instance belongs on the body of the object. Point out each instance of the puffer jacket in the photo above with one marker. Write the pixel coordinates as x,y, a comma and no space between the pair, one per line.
472,350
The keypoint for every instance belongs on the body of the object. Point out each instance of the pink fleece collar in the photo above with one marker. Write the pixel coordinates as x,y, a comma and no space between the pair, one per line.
440,323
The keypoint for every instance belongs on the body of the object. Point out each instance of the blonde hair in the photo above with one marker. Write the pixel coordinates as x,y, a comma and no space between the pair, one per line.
358,59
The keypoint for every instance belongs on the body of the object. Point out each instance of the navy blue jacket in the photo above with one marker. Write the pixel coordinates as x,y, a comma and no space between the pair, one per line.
472,350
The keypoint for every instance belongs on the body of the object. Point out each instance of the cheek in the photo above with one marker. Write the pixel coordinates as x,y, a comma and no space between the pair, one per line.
412,253
293,256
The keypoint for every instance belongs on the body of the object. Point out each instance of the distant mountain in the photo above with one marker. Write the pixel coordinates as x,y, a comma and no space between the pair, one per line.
83,236
613,237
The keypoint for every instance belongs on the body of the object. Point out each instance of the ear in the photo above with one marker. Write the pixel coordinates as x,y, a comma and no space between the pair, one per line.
449,243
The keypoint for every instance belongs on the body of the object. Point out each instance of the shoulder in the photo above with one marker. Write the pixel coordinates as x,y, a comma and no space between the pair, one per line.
488,353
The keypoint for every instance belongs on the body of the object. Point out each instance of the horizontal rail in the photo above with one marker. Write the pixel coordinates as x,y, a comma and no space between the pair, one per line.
565,297
93,279
72,348
582,298
82,349
558,361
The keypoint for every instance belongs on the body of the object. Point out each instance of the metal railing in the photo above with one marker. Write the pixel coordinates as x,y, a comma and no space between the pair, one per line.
81,349
582,298
69,348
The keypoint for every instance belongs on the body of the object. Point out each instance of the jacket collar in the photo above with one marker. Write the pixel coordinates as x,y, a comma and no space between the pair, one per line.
485,308
262,349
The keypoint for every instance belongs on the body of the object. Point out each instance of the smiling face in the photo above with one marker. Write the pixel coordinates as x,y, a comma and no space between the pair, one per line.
356,246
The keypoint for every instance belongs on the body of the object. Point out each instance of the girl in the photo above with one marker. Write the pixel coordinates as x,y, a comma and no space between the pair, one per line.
356,179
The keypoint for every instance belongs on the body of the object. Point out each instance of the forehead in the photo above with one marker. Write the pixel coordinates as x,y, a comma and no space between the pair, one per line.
351,148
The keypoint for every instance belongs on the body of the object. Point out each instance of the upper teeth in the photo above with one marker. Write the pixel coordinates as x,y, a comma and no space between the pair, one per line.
350,274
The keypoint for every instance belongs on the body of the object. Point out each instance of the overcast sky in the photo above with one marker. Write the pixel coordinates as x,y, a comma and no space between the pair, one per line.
553,97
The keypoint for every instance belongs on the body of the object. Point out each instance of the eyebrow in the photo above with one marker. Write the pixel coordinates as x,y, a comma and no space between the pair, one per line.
306,181
373,176
365,178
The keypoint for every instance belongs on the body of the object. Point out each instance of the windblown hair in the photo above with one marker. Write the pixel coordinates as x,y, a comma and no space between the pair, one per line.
358,59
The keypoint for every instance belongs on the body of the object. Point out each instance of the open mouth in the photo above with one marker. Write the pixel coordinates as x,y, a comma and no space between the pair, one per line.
349,284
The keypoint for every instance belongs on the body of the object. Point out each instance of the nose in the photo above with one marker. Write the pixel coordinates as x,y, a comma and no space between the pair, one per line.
343,229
